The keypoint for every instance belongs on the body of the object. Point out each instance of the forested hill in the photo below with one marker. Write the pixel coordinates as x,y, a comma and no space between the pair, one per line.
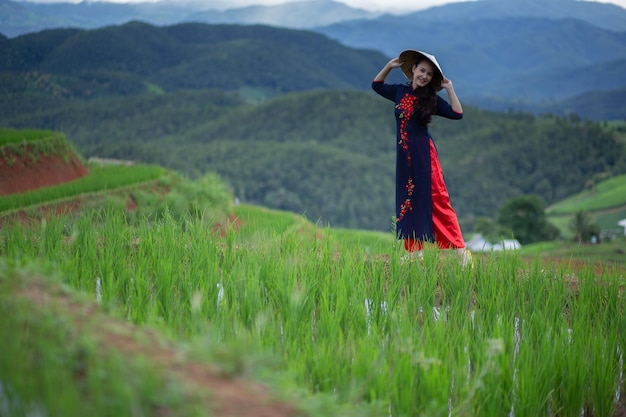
286,117
330,154
137,57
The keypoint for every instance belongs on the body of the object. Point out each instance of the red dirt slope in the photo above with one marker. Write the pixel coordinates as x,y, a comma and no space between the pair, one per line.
23,174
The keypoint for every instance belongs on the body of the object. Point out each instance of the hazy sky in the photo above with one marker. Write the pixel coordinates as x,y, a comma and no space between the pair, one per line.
406,5
378,5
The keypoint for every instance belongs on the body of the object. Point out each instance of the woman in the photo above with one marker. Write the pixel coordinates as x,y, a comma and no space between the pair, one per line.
423,210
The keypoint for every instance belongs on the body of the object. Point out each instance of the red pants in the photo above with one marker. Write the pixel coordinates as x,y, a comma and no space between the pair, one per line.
445,223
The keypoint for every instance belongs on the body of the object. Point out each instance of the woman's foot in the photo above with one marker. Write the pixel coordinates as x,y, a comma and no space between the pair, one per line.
412,257
465,258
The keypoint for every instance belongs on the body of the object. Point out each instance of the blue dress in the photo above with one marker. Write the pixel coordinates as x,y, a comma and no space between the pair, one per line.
414,205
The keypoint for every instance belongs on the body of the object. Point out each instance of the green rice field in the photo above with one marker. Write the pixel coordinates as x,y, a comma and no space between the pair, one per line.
330,320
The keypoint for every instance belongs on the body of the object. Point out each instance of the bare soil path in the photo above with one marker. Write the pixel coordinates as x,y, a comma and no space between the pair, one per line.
223,395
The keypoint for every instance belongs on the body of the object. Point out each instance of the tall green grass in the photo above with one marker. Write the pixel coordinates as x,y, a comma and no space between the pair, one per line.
341,320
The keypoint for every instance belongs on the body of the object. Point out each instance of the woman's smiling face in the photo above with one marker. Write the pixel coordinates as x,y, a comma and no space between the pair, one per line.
423,73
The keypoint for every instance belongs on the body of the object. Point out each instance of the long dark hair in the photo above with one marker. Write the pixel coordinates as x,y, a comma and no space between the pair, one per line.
426,104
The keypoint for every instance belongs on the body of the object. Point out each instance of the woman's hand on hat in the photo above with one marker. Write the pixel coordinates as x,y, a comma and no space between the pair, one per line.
395,63
446,83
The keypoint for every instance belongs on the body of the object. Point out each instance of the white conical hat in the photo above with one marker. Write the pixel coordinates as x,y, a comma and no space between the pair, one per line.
410,58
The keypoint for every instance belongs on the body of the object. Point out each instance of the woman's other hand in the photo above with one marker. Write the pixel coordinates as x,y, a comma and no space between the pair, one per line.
447,83
394,63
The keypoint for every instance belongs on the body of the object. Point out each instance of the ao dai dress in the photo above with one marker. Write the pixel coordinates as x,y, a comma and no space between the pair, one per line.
423,209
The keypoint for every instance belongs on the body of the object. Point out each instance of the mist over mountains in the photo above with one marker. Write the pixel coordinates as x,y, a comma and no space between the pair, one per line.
19,17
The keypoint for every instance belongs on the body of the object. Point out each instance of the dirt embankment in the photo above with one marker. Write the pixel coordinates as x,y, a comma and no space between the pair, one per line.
20,172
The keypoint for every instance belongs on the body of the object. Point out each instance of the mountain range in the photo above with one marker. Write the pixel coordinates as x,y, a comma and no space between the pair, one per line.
544,56
19,17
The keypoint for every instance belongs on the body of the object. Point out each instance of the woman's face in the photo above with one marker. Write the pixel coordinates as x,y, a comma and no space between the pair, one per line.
423,73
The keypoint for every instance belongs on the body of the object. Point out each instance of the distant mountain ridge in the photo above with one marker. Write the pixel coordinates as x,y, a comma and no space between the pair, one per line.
297,15
604,15
19,17
501,54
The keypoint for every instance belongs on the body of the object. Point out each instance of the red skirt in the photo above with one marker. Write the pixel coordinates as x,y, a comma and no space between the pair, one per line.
446,227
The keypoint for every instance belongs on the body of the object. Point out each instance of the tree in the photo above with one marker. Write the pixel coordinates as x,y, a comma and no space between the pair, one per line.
583,226
526,217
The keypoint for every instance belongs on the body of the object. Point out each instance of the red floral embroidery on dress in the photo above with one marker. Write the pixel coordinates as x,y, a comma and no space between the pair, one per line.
406,106
407,203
